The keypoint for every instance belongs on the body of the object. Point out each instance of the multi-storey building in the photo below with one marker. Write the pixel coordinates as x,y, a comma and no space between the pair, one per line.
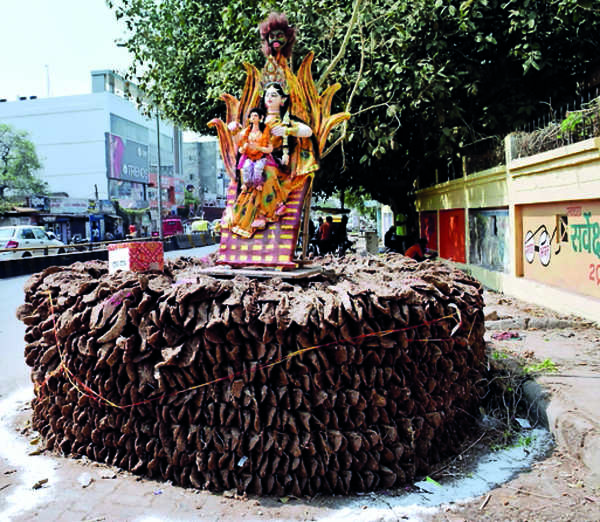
205,175
98,149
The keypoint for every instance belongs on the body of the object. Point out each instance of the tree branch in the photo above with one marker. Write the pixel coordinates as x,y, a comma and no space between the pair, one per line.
349,102
371,107
343,47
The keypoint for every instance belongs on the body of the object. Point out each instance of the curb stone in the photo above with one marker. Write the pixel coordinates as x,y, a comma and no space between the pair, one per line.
531,323
537,399
572,431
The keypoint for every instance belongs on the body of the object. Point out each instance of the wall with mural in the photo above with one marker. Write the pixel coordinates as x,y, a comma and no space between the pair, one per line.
489,239
561,245
452,235
429,228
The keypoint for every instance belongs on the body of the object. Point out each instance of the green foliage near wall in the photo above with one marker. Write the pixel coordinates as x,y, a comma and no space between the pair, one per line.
423,79
577,126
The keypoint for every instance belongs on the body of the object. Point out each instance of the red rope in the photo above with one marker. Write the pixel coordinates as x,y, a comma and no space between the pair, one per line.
82,388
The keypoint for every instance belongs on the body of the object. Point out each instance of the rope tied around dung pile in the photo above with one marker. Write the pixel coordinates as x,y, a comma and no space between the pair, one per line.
358,381
84,389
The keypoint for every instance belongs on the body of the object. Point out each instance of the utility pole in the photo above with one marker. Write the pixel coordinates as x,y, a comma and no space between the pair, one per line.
158,179
47,81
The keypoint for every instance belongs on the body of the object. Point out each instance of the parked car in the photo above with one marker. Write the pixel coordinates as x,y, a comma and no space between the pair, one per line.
29,237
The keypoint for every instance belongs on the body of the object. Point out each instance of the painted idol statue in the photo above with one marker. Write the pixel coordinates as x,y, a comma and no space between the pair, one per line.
262,220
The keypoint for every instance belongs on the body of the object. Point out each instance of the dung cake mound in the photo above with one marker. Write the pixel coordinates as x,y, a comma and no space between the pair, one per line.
357,380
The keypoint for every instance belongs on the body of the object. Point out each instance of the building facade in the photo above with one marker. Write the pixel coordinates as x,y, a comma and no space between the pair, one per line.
100,148
204,175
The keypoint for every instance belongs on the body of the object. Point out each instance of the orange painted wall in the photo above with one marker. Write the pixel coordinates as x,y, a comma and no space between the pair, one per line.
452,235
565,255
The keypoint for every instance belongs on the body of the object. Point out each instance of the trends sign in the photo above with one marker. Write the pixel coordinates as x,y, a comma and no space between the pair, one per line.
126,159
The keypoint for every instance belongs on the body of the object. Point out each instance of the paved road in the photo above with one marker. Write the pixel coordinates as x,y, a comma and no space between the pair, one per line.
195,252
14,373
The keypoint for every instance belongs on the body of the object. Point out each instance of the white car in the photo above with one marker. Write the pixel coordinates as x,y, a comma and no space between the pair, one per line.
27,241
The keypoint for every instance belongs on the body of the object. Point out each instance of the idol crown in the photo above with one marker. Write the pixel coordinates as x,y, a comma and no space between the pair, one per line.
272,72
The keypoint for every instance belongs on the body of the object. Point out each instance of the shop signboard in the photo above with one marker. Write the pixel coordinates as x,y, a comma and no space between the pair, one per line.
39,203
69,205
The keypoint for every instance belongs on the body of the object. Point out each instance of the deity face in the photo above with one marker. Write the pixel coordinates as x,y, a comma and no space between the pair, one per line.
277,39
273,100
255,117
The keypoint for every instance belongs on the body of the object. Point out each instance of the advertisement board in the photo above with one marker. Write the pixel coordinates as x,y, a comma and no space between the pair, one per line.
126,160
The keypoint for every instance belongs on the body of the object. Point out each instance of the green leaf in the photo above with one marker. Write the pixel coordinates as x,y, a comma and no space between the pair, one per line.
434,482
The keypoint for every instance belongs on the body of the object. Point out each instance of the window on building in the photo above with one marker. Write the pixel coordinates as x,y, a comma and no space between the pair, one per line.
563,228
128,129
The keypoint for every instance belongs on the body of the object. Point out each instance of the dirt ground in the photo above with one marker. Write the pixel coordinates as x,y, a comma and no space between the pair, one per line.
558,488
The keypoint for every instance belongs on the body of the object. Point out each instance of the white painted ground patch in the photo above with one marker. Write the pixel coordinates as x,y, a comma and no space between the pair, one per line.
31,469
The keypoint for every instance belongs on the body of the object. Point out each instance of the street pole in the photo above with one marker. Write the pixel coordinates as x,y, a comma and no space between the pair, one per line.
47,81
158,179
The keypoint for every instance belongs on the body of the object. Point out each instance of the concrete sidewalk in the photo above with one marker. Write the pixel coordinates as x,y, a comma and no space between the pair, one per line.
567,399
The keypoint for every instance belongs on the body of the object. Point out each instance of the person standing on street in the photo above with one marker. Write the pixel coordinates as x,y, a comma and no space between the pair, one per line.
325,236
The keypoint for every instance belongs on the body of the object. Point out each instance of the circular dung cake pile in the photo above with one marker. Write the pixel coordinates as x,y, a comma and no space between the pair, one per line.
359,379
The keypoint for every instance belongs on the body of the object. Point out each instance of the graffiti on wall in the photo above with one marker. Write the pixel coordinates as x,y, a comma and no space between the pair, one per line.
594,273
561,245
488,239
540,241
585,237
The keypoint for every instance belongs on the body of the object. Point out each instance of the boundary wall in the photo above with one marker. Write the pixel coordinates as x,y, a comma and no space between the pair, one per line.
529,228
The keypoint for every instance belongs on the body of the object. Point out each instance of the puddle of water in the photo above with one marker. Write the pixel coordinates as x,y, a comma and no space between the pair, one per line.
491,470
31,469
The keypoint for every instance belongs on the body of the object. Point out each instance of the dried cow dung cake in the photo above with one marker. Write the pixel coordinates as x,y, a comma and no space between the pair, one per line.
357,380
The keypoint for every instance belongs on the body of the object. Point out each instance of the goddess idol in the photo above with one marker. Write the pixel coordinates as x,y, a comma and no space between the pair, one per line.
261,222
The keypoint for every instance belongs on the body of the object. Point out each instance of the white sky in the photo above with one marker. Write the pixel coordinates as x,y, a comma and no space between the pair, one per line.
71,37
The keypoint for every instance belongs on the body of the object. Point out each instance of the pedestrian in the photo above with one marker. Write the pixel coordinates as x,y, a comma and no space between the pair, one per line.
312,229
341,235
418,250
132,230
325,236
319,225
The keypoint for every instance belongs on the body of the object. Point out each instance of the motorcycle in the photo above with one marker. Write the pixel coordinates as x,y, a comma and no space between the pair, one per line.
77,239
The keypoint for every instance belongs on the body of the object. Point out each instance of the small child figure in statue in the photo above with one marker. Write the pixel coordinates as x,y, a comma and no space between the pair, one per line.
255,146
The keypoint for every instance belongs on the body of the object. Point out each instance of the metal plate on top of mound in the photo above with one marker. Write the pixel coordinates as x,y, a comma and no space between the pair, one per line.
261,272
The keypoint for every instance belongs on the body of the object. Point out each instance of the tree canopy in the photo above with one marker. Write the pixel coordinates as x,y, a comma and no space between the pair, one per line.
423,79
18,165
